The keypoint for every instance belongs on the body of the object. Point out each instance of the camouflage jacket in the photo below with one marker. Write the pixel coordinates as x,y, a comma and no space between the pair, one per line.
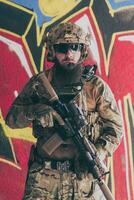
96,101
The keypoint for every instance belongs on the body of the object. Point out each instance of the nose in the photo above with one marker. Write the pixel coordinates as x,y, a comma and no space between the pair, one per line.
69,53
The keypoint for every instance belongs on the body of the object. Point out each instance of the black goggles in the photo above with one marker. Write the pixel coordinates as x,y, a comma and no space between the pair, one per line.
64,47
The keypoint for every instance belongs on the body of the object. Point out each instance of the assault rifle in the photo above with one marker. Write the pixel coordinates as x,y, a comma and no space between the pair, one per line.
71,120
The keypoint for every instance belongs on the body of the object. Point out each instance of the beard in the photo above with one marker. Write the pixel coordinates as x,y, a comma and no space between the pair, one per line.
67,65
67,73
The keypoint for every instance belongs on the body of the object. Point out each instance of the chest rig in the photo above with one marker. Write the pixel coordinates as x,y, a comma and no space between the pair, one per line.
69,92
66,93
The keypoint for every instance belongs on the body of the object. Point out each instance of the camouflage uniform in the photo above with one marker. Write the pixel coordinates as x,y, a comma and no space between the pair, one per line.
49,177
104,130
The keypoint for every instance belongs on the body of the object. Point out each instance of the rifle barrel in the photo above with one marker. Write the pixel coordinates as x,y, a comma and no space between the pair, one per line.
106,191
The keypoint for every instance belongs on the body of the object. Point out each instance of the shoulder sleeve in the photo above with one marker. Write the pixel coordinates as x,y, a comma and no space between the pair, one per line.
107,108
22,106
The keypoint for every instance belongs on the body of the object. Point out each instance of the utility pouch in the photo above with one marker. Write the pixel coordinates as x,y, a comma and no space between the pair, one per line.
52,144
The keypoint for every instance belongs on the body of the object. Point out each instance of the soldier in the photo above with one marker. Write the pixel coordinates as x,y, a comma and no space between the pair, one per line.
56,168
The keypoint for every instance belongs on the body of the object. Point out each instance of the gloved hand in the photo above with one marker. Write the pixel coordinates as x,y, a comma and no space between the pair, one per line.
41,113
46,115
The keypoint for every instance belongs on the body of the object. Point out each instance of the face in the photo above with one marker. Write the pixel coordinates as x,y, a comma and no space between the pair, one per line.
68,55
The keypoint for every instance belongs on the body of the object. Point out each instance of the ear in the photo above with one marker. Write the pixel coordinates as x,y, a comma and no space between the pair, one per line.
51,54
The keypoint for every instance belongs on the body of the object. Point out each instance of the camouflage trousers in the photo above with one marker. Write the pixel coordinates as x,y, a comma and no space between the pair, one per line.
44,183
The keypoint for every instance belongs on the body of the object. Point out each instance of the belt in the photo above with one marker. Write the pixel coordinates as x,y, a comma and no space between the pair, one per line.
64,166
61,165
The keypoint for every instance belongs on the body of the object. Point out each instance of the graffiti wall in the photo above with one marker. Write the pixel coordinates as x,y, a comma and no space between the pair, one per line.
22,54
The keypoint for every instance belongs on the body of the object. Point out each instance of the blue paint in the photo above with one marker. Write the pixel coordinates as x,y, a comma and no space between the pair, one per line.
121,4
33,5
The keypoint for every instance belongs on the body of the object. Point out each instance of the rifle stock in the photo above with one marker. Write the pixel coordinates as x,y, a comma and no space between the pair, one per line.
72,128
52,96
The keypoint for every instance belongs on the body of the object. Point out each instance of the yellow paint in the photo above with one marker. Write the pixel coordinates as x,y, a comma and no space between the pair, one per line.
111,12
9,32
110,165
128,101
62,8
10,163
33,17
107,61
55,8
17,6
30,55
43,57
100,37
112,176
25,133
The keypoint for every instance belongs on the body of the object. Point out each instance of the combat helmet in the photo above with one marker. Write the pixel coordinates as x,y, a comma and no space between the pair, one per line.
67,33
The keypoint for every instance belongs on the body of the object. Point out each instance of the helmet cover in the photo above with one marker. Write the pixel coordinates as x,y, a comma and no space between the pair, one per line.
67,33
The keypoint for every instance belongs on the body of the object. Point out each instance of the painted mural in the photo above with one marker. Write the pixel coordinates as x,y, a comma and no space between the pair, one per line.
22,54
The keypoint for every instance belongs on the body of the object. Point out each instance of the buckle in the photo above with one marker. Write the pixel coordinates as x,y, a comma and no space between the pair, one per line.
47,165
